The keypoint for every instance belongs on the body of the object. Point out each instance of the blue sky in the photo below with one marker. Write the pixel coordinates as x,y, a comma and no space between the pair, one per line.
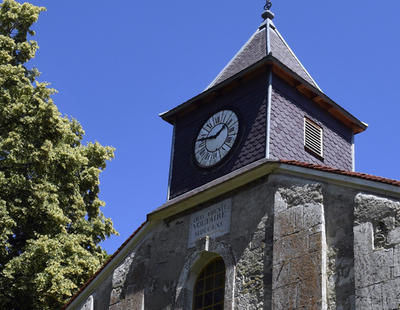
118,64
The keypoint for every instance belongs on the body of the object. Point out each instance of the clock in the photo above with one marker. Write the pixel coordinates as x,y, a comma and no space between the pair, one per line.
216,138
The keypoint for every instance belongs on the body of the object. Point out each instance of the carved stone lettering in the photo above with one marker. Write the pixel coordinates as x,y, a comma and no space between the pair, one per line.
214,221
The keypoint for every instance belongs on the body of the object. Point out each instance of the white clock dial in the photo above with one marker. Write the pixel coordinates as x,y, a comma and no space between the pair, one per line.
216,138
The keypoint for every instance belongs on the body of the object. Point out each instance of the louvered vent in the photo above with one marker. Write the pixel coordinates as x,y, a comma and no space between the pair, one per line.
313,137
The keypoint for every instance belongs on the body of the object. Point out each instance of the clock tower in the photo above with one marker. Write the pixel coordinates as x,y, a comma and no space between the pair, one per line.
264,210
263,105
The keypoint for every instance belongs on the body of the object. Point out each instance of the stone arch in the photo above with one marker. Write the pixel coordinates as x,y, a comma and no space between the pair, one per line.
207,249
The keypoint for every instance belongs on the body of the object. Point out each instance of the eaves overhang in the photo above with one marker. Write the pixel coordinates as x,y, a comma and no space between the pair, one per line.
281,70
265,167
215,188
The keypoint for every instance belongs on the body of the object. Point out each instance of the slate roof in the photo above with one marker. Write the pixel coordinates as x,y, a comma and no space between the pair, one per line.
265,41
281,50
267,47
254,50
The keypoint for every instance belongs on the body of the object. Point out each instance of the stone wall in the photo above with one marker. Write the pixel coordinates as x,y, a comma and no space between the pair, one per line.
127,294
158,274
377,253
100,298
299,265
339,218
293,243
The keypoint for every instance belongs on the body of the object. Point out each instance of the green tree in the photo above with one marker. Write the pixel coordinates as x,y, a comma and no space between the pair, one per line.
50,219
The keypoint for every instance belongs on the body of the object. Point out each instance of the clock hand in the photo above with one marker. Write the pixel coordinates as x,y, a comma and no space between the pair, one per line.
207,138
217,134
213,136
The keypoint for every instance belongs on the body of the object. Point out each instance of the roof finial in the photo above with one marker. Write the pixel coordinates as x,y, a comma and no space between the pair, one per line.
268,5
267,14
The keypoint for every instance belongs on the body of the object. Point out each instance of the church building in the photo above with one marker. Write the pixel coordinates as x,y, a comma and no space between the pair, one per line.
264,208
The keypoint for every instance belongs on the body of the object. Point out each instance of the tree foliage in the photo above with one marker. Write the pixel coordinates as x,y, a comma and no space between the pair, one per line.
50,219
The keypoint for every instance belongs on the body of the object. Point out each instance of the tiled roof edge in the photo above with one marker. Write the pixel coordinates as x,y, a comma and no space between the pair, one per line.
104,266
342,172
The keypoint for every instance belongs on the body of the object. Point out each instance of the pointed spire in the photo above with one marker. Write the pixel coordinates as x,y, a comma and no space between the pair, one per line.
265,42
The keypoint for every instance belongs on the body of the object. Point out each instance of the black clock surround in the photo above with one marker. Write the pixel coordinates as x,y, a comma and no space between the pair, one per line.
248,102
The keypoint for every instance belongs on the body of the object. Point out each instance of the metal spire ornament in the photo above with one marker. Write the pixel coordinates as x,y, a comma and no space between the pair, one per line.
267,14
268,5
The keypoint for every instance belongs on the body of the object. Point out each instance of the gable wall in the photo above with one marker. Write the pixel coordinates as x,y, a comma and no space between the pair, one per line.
153,270
290,236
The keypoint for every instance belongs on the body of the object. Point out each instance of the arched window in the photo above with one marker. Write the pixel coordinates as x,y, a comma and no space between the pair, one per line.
210,286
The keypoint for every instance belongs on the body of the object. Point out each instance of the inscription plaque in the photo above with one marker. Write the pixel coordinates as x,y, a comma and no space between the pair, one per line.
214,221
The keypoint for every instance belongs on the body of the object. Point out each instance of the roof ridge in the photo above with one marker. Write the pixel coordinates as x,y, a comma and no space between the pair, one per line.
274,28
214,82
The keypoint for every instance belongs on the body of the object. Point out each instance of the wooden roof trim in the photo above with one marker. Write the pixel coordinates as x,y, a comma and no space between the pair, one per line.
286,74
318,97
170,116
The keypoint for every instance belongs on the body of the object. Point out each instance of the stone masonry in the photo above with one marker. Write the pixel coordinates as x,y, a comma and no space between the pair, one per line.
299,265
294,243
377,253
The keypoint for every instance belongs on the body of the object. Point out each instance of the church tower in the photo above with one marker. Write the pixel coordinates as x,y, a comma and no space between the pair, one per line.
264,208
262,105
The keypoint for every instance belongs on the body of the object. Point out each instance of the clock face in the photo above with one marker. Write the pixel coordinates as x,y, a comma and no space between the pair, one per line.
216,138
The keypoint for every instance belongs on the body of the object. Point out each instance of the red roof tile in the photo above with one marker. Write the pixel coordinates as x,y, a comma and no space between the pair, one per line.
342,172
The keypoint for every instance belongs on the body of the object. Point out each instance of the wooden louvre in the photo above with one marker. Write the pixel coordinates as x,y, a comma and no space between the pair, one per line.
313,137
